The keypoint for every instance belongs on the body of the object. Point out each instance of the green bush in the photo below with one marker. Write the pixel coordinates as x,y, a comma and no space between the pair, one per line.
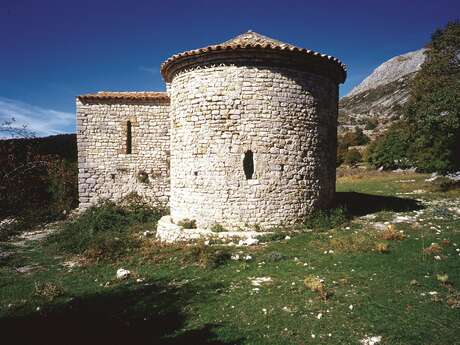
355,138
277,235
326,219
206,256
38,174
105,231
216,227
352,157
187,223
391,150
62,186
433,110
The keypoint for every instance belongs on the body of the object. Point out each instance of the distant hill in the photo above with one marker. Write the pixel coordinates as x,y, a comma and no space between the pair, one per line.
62,145
379,98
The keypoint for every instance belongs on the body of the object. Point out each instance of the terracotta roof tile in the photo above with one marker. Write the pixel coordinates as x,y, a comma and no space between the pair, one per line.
251,39
144,95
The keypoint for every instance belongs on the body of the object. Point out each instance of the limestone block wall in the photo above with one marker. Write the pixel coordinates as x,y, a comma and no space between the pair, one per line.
106,169
220,114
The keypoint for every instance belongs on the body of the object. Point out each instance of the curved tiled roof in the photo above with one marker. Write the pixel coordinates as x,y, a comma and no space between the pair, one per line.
252,40
106,95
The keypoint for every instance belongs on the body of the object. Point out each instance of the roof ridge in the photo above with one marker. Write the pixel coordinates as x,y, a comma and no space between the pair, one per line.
142,95
252,38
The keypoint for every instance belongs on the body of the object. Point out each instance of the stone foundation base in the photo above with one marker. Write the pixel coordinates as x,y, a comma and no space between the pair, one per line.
169,232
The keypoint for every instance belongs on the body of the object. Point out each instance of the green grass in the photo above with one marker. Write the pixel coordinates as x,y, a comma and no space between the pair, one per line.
326,219
108,230
198,295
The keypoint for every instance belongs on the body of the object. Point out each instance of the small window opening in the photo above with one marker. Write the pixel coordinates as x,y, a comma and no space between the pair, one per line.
112,176
129,138
282,167
248,164
195,173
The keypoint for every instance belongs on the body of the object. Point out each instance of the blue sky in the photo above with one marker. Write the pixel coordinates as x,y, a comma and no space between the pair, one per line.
52,51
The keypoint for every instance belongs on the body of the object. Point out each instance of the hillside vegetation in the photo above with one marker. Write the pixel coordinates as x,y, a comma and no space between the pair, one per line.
38,180
428,136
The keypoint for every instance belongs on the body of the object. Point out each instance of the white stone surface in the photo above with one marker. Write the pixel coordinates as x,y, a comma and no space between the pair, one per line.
169,232
391,70
281,107
105,171
287,118
122,273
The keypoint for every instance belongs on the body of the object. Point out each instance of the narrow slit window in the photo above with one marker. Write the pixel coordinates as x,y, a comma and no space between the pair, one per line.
129,138
248,164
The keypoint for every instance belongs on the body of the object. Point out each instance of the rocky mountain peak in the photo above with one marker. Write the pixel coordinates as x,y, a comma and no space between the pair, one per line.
391,71
378,101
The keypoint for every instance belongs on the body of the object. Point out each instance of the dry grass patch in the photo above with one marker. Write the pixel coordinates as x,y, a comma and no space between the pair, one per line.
316,284
392,234
48,290
382,247
434,248
356,242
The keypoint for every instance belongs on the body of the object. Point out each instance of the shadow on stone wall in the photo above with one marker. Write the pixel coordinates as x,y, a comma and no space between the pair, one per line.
360,204
129,315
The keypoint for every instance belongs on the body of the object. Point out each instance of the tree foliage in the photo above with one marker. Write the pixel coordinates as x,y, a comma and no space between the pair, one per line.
37,175
349,139
429,135
390,150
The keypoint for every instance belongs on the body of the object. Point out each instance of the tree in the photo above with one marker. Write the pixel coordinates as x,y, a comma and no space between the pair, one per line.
428,136
352,157
11,130
36,180
390,150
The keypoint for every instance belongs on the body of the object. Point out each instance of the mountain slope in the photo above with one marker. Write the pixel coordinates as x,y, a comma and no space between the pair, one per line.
378,100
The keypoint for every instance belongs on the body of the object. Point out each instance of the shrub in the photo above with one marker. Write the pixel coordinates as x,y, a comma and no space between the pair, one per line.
216,227
38,174
206,256
390,150
187,223
353,242
382,247
316,284
103,231
48,290
355,138
391,234
275,236
434,248
352,157
62,186
326,219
